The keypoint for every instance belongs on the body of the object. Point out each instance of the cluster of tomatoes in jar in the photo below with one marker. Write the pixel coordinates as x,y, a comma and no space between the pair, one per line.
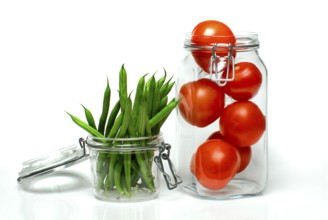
227,150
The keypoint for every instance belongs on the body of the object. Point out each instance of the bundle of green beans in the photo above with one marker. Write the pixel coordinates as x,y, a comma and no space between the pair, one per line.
141,118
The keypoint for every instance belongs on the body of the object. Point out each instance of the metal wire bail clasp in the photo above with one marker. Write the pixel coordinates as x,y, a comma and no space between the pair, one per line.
218,64
159,161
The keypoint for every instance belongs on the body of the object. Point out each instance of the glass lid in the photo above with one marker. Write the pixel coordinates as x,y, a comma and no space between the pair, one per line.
52,162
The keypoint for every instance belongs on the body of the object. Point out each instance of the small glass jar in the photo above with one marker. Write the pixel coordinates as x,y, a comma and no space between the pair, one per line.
126,169
221,122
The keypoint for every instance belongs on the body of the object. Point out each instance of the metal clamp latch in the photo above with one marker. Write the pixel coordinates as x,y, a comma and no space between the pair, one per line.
216,60
159,161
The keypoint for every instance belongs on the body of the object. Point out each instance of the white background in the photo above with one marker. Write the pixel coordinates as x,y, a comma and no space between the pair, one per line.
55,55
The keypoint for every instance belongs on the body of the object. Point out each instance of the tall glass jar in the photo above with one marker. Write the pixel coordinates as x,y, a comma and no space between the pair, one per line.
222,123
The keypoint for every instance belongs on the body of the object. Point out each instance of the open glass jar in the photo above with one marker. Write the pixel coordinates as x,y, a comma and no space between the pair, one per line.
222,123
123,169
126,169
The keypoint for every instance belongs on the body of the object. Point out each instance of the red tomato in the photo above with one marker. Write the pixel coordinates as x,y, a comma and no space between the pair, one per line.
215,135
245,157
216,163
208,33
201,103
246,83
242,123
244,152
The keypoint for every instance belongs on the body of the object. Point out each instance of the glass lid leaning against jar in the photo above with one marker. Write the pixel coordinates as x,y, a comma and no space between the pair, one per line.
222,123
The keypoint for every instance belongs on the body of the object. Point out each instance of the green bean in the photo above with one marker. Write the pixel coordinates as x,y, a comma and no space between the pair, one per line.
116,126
163,103
127,170
145,173
132,130
140,125
164,88
89,117
123,85
147,125
138,96
122,132
112,117
101,159
135,173
150,88
161,81
163,113
102,176
168,82
91,131
105,109
156,100
110,176
156,128
126,116
170,86
124,188
85,126
117,176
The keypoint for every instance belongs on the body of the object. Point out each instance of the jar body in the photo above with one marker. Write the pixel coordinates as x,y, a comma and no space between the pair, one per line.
123,170
202,115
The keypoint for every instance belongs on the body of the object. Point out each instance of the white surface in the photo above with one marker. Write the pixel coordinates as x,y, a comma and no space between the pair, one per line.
55,55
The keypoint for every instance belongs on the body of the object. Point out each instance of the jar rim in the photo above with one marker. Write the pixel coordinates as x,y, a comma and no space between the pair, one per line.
125,144
243,40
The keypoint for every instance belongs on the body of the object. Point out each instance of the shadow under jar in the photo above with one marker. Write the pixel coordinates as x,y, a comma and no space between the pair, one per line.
221,121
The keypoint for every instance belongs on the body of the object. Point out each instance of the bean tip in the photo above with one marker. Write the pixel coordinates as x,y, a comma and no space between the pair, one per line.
68,113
